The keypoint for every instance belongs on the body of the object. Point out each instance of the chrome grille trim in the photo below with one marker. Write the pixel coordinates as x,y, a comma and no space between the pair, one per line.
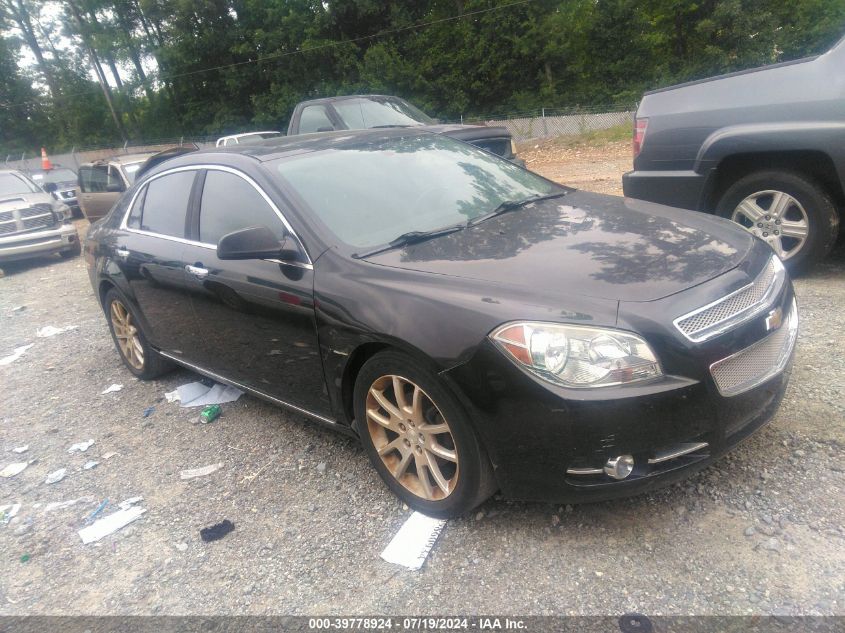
38,216
759,362
678,450
733,309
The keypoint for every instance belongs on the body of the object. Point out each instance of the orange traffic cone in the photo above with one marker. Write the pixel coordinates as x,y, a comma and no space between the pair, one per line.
45,160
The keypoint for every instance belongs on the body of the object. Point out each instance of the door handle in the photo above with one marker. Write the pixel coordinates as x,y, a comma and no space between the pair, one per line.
121,252
196,271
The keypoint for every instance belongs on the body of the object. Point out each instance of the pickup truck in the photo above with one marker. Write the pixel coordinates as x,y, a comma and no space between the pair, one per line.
359,112
763,147
32,222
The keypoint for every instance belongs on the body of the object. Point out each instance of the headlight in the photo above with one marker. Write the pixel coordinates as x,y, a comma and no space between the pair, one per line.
578,356
62,211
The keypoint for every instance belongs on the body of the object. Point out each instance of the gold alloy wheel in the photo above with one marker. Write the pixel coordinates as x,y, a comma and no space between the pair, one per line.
127,335
412,437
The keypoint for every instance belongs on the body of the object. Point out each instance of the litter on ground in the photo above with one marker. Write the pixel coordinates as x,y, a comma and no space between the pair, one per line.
148,411
19,351
413,542
216,531
99,509
111,389
50,330
200,472
80,447
21,449
196,394
56,476
14,469
110,524
7,512
128,503
109,455
89,465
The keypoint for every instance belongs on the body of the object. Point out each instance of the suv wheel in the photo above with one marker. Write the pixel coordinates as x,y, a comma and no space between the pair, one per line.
137,354
419,438
791,212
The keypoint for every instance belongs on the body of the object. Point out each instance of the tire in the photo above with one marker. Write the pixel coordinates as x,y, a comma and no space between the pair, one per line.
152,364
810,210
74,251
468,479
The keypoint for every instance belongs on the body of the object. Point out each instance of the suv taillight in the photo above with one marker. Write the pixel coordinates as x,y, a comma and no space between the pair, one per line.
640,126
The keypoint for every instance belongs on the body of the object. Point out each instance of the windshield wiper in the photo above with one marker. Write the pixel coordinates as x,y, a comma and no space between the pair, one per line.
513,205
412,237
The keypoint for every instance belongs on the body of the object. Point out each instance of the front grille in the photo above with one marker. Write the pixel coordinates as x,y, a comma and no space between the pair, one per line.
38,216
500,146
739,306
759,362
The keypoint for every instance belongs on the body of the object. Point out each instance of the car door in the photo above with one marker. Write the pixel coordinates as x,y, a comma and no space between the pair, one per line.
254,318
149,250
99,188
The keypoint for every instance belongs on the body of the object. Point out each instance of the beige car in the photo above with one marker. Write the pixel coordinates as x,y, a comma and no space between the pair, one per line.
102,182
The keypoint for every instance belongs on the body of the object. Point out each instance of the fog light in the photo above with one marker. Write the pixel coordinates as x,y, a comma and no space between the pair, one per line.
619,467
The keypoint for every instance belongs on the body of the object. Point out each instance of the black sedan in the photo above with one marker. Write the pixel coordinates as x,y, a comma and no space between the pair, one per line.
476,326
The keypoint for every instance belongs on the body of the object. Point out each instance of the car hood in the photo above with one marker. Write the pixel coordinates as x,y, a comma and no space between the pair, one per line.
24,200
586,244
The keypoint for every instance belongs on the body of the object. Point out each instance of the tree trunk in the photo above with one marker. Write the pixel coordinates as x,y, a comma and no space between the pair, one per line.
98,69
19,12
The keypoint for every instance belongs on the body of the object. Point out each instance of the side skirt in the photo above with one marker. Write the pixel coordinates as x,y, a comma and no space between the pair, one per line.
324,421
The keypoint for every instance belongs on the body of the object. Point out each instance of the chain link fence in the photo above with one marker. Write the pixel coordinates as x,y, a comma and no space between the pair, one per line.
551,123
543,123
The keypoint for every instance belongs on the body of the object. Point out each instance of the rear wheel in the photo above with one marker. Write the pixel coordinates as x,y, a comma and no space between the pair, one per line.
135,351
419,438
789,211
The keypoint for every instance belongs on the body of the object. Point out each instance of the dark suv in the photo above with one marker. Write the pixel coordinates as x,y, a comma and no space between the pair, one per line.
765,148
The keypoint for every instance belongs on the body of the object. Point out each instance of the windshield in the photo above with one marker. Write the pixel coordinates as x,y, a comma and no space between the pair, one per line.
360,114
370,194
54,175
131,169
13,183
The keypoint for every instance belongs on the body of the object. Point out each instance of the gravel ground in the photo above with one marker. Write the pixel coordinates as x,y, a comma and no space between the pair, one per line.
760,532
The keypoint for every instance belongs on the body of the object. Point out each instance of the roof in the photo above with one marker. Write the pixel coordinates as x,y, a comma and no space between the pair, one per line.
273,149
249,134
344,97
123,159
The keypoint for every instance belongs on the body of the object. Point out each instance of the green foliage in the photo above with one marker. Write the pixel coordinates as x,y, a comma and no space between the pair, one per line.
207,67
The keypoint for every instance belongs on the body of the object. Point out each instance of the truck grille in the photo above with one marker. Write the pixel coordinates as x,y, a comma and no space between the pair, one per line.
38,216
729,311
757,363
500,146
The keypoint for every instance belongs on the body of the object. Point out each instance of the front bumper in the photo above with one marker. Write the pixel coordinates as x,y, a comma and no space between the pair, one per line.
38,243
550,444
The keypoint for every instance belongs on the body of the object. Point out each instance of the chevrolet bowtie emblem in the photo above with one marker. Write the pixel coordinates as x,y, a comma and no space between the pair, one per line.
774,319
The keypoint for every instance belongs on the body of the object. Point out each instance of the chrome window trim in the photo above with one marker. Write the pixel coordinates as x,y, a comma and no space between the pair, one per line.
241,386
678,451
123,223
720,327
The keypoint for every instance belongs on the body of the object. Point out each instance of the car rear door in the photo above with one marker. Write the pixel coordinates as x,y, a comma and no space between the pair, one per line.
255,318
148,249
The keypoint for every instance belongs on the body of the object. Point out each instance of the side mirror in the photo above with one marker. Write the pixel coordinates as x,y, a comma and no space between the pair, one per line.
255,242
50,187
115,187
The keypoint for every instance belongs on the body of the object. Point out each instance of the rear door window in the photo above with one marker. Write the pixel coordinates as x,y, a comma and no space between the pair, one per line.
166,204
93,178
230,203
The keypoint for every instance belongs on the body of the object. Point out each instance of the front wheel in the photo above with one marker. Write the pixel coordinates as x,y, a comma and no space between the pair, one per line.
419,438
789,211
